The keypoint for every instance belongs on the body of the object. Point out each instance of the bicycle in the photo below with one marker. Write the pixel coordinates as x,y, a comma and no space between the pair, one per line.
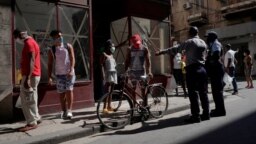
153,103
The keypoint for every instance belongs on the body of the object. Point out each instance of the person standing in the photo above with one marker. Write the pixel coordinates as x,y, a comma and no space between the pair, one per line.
138,61
196,76
229,63
176,70
248,68
63,55
31,74
109,73
215,70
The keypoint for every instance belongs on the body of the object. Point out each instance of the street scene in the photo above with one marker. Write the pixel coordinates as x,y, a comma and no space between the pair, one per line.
236,127
127,71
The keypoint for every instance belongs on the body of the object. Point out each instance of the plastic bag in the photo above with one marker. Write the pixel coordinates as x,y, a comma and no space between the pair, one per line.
227,79
171,84
18,103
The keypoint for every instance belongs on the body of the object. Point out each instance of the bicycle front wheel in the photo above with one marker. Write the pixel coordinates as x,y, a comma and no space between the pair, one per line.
114,110
157,101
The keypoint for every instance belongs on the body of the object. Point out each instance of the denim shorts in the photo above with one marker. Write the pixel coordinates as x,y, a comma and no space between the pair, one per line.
63,83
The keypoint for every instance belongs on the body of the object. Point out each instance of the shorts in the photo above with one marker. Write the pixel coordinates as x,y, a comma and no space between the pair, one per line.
111,77
136,76
248,72
64,84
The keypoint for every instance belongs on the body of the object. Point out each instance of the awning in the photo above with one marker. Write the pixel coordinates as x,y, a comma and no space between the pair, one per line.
116,9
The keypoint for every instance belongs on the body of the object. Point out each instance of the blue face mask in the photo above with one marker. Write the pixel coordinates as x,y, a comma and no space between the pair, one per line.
57,41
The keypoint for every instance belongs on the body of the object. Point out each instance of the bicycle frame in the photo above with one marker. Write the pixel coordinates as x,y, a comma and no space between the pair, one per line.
132,94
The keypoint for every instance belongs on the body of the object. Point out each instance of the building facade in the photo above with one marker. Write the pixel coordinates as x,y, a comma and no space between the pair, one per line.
233,20
86,24
39,18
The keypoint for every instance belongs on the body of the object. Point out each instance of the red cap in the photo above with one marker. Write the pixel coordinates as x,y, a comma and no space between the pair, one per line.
136,40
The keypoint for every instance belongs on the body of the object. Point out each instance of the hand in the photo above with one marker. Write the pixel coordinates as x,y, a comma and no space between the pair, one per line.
157,53
27,83
50,82
150,75
70,75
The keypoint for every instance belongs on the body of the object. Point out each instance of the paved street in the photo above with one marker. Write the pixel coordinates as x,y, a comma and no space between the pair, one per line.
238,127
170,129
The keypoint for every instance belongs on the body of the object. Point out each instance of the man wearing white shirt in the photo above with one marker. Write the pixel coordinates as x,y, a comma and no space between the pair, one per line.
229,62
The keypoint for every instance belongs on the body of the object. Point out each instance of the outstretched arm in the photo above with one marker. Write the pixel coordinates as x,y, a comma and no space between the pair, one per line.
165,51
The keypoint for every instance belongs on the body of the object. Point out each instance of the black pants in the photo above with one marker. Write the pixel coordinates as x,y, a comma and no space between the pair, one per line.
178,75
196,78
216,73
232,74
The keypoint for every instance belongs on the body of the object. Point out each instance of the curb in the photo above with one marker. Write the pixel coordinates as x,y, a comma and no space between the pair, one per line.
60,136
79,132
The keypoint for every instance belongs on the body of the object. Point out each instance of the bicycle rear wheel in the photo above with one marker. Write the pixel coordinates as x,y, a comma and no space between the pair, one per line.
157,101
120,113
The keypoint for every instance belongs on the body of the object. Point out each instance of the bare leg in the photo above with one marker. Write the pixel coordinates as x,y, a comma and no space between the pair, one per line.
70,97
110,96
63,102
250,79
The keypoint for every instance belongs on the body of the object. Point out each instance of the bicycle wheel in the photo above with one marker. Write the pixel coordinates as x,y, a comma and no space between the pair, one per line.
157,101
120,113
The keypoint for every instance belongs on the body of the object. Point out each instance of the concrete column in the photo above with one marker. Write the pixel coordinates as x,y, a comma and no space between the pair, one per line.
6,104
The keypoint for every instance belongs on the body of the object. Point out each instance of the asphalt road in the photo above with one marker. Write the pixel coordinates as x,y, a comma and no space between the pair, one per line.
238,127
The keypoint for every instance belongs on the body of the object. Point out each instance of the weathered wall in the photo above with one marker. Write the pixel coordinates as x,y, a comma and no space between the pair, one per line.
5,63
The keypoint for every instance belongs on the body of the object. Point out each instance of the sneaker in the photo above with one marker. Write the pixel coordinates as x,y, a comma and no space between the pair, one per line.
63,115
69,115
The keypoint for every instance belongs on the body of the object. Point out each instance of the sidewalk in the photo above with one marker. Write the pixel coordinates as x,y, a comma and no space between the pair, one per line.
55,130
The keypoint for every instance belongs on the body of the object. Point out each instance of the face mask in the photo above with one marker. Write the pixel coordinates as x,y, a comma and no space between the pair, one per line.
112,49
57,41
18,40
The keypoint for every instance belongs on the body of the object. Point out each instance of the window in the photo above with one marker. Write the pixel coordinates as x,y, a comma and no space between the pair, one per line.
40,18
74,23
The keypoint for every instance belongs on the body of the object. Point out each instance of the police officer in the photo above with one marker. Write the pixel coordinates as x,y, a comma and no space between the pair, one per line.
215,71
196,76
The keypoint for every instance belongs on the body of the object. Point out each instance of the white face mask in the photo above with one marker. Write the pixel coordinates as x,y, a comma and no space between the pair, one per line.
18,40
112,49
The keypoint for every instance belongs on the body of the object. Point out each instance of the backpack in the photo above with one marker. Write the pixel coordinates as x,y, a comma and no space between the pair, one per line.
53,48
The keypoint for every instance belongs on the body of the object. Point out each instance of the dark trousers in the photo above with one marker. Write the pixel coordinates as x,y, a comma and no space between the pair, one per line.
232,74
196,78
216,74
178,75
